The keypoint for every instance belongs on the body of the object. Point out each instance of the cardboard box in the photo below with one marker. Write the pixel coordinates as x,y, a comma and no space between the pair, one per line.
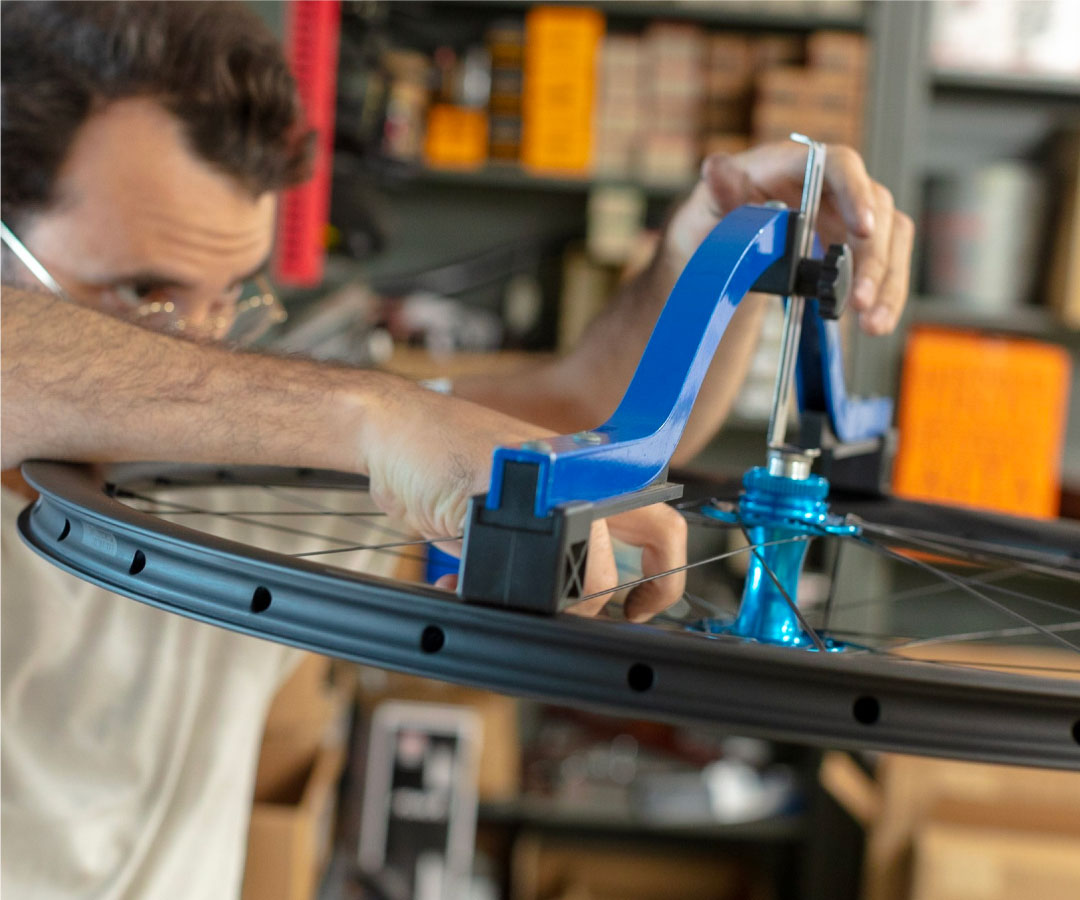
775,121
289,838
307,712
960,855
777,50
1063,284
915,809
731,56
820,90
727,115
296,781
546,868
838,51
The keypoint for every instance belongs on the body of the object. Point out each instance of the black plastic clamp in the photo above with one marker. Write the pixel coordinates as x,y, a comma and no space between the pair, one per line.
515,559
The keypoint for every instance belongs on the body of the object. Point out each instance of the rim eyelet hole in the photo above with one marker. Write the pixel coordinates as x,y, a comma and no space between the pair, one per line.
432,639
138,563
640,677
866,710
260,600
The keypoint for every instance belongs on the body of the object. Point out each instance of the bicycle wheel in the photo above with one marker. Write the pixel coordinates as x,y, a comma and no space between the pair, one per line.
971,652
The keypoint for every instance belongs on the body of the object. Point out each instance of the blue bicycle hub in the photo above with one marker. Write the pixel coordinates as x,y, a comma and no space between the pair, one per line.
781,508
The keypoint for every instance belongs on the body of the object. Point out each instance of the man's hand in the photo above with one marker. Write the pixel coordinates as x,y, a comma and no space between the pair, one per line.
855,210
427,454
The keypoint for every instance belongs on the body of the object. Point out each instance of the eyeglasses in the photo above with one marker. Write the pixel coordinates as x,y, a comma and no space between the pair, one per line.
240,317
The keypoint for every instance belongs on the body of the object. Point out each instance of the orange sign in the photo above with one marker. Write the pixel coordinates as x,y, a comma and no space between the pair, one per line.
982,421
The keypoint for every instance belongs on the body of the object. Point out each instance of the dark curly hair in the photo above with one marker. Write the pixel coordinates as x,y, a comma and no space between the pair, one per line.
215,66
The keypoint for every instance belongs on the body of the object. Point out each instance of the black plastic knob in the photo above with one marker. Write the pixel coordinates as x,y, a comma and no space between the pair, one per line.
828,279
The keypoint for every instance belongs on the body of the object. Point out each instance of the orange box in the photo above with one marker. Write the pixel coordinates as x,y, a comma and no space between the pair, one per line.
561,50
563,23
457,137
982,421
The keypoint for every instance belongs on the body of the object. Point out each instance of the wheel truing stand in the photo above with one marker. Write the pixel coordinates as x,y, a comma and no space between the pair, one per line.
526,539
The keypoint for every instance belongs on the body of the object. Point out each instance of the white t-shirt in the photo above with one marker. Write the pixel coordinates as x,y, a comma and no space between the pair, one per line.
129,739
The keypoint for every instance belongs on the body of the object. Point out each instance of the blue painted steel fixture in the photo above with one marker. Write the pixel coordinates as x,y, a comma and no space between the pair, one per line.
526,539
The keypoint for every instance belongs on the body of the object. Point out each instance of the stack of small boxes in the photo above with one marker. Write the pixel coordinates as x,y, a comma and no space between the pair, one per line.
729,94
561,47
618,106
674,57
823,99
505,42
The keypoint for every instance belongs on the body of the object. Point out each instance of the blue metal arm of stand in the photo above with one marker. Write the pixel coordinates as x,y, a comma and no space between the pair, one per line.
821,388
632,449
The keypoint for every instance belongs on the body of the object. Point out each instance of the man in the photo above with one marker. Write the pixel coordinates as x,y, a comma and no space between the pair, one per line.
142,148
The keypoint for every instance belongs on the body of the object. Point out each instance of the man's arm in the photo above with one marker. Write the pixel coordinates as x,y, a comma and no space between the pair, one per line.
581,389
81,386
78,385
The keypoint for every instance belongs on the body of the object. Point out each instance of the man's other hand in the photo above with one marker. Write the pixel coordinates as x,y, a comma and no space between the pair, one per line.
855,210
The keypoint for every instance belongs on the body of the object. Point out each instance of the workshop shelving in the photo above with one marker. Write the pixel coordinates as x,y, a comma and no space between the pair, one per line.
990,84
515,177
793,15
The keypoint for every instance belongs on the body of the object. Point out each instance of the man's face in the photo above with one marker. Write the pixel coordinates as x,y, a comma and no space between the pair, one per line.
140,219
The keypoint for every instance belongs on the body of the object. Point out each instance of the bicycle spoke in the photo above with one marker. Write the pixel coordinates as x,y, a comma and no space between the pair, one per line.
923,591
256,512
988,584
710,608
315,506
831,599
967,637
972,549
701,562
993,664
357,547
948,576
347,546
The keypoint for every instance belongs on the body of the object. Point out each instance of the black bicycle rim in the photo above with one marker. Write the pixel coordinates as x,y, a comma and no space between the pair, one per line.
829,699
